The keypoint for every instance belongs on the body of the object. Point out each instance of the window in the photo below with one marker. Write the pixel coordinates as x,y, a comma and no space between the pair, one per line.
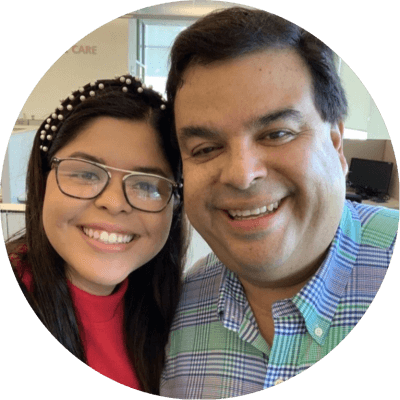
354,134
155,38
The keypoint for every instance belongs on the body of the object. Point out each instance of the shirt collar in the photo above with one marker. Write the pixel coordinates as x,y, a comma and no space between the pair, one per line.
319,298
317,301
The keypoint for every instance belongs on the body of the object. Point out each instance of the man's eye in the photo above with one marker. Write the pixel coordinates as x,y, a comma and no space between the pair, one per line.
204,151
279,136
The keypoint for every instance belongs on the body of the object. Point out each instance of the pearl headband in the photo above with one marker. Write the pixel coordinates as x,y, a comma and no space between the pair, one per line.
51,125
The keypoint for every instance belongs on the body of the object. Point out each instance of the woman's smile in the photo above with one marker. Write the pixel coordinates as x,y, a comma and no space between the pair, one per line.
107,237
104,239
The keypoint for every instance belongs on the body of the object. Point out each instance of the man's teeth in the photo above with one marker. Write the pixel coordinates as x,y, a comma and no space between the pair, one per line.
255,212
107,237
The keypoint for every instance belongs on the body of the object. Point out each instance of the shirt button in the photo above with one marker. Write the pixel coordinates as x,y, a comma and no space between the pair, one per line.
318,331
278,381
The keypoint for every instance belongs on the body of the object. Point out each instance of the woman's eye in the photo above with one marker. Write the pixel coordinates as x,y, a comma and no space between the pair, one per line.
87,176
90,176
147,187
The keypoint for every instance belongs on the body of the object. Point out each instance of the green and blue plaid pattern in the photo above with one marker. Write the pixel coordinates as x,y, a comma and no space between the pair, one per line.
216,350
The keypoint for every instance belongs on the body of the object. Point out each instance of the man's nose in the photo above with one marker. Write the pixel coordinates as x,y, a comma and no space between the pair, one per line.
243,165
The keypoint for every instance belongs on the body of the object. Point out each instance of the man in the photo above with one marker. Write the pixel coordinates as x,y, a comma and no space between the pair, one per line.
259,113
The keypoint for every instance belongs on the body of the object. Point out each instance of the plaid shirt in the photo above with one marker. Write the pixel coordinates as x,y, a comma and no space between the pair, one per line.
216,349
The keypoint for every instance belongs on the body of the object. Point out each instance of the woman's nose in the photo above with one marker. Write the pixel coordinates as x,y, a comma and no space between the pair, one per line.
113,197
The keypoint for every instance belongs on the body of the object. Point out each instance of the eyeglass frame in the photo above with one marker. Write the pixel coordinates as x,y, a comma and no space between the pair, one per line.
176,187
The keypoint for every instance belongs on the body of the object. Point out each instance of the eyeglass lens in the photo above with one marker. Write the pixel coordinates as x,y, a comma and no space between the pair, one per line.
86,181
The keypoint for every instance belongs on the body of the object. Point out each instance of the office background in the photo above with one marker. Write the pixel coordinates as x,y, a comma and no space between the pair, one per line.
139,43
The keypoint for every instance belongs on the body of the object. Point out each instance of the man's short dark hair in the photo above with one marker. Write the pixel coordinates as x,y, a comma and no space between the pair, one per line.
234,32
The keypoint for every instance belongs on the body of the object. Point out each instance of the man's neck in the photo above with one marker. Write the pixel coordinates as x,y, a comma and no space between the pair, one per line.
261,300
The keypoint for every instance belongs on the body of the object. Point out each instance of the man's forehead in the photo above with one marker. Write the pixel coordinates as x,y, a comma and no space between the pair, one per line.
244,89
275,70
282,56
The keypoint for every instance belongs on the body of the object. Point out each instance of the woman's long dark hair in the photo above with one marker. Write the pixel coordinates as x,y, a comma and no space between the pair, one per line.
154,289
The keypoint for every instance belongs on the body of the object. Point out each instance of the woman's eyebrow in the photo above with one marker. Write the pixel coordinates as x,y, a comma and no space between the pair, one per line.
145,170
88,157
151,170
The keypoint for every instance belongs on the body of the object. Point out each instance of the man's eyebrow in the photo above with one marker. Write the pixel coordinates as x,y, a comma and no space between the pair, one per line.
283,114
188,132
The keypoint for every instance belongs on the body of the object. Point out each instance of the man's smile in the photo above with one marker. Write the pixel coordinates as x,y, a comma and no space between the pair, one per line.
253,213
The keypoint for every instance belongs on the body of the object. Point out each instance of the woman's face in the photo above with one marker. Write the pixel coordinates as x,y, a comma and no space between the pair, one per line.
91,264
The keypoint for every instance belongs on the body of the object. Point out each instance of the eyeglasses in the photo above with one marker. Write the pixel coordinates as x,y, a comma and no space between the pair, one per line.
83,179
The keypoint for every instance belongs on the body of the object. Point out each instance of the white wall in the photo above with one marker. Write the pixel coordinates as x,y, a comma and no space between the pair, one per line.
73,69
193,8
115,44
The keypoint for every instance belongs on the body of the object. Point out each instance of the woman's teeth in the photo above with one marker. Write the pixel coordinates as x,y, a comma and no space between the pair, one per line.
107,237
255,213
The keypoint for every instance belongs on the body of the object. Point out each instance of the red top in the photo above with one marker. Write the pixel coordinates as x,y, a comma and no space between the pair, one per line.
100,321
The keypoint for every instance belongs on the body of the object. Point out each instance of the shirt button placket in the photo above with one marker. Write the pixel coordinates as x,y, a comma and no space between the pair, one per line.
318,331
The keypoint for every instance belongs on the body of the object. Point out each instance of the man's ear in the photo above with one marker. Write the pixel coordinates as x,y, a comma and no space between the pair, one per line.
337,131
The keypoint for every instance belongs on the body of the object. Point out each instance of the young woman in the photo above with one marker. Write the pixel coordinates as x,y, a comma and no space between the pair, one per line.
101,258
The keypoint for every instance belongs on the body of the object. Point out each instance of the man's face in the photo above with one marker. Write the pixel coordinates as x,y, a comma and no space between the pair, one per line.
264,176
